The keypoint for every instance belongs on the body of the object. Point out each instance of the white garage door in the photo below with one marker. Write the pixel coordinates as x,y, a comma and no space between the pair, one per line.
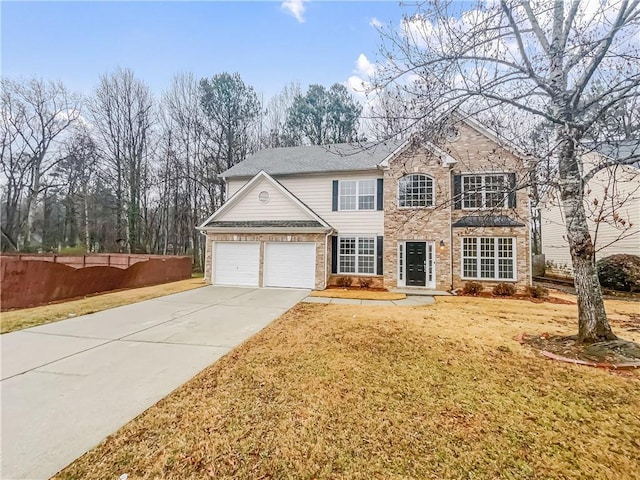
290,264
236,263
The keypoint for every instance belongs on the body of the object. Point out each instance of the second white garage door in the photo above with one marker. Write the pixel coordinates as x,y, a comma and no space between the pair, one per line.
236,263
290,264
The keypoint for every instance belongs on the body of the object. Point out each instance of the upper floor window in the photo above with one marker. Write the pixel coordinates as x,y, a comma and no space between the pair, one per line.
415,190
485,191
357,194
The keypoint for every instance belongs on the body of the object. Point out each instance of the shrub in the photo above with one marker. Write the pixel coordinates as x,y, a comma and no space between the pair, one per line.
344,282
472,288
504,289
537,291
620,272
365,282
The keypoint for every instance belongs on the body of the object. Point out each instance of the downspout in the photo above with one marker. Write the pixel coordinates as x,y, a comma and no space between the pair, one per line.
326,252
452,200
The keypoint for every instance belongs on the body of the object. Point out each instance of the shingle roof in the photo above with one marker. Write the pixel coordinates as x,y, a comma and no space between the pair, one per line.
266,224
314,158
487,221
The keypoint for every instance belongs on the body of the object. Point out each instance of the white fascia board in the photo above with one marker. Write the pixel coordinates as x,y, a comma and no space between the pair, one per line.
233,230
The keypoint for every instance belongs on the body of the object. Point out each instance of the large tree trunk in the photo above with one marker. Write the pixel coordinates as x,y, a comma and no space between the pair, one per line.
593,325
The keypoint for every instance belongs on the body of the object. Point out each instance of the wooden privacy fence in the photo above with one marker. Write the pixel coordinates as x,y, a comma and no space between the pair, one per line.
28,280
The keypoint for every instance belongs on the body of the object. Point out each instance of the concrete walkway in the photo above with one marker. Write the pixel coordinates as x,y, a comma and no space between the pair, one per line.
412,301
67,385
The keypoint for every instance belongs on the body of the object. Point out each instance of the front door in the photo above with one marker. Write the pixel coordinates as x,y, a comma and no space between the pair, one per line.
416,263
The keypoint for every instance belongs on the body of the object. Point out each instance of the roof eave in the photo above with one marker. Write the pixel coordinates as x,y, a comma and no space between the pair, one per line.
265,229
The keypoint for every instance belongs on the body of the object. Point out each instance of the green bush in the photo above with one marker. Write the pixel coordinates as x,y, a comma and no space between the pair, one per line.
504,289
620,272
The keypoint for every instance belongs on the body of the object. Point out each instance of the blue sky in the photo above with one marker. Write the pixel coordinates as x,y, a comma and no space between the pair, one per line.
264,41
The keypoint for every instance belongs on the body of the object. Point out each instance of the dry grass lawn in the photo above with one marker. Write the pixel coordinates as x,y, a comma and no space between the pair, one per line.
358,294
30,317
341,391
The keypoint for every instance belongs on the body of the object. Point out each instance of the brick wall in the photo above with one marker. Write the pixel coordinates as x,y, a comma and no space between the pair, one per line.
474,152
318,238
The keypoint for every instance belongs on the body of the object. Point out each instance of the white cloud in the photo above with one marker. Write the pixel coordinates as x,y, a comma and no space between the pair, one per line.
364,67
295,8
375,23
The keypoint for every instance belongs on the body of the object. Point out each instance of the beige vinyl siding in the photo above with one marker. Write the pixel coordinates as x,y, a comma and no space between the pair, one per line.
622,187
278,207
315,191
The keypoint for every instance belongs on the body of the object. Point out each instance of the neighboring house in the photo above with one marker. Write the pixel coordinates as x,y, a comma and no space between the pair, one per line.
395,215
612,204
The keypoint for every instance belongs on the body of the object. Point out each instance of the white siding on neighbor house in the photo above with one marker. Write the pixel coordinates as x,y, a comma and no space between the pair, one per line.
609,239
279,207
316,190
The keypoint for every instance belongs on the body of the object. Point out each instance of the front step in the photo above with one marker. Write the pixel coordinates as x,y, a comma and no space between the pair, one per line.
420,292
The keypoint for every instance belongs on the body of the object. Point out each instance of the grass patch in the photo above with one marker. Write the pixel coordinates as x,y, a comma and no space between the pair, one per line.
358,294
341,391
30,317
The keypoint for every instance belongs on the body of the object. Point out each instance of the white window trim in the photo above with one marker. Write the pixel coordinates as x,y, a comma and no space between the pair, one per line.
433,193
375,195
483,191
514,245
357,256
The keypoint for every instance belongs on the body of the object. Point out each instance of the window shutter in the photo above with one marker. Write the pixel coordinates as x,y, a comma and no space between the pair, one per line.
379,255
334,254
457,192
512,190
334,204
380,192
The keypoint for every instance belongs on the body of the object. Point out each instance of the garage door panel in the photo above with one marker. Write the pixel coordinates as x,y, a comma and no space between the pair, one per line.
236,263
290,264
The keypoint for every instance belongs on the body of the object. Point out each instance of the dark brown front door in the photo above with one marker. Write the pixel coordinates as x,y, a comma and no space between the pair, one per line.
416,261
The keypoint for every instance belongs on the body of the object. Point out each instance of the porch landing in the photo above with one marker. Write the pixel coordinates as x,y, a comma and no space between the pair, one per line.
420,292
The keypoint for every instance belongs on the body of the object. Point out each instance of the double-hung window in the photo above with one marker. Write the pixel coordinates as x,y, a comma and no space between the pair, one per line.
357,194
357,255
485,191
488,258
415,190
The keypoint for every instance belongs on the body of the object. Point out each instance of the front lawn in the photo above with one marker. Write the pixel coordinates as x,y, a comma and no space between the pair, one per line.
341,391
30,317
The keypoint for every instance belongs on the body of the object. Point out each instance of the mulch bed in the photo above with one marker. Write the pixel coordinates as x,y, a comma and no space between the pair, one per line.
616,354
521,296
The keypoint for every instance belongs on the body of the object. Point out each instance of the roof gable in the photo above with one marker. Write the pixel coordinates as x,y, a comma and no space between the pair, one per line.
266,200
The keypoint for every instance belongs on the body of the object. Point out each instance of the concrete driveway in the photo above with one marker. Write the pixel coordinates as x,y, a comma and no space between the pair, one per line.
67,385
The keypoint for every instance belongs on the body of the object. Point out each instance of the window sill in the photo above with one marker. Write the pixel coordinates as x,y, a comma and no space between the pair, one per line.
430,207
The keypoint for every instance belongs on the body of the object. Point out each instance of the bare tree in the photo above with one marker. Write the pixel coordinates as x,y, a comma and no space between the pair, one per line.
35,115
568,63
275,117
122,116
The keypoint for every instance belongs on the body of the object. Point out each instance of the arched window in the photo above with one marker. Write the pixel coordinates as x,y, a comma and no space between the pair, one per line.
415,190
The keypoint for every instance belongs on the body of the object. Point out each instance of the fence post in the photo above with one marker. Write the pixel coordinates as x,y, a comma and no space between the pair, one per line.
108,260
84,261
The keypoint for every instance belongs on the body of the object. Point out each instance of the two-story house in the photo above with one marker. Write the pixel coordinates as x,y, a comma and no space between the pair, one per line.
397,214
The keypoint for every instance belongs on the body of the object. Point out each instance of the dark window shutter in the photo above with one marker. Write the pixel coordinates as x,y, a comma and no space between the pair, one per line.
379,252
380,196
457,192
334,254
512,190
334,204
